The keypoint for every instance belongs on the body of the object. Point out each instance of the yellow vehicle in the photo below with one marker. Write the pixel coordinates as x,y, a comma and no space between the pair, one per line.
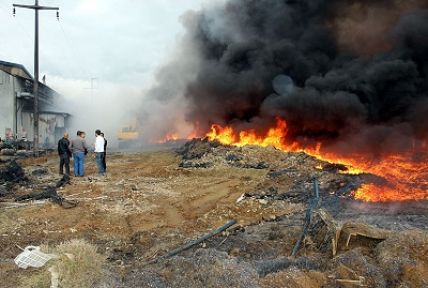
129,136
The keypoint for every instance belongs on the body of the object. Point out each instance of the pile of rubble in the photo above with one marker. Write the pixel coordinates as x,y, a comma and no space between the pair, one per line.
288,175
199,153
344,242
12,149
13,176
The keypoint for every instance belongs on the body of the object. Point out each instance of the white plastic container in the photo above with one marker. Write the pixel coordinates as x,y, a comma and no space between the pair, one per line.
32,257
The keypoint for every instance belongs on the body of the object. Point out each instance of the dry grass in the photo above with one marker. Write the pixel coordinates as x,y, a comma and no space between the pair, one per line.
7,221
404,258
78,265
294,278
40,279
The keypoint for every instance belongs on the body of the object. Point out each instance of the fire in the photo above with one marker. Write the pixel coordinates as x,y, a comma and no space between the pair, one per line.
407,179
274,136
378,193
174,136
168,137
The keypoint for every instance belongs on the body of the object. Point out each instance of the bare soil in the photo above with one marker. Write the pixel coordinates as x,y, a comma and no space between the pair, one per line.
150,204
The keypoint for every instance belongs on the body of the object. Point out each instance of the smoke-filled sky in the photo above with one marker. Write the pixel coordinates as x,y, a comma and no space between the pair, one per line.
118,42
350,73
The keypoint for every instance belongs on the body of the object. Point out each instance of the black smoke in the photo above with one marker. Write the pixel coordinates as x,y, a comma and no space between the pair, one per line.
358,69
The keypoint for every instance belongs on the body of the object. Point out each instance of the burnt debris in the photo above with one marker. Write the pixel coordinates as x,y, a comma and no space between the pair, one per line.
196,148
201,153
12,173
65,179
48,193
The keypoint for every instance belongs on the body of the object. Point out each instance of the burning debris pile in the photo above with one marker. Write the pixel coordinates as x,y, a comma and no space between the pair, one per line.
344,244
289,175
344,81
208,154
298,223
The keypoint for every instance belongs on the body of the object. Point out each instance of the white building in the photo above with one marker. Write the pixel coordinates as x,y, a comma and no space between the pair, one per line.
17,107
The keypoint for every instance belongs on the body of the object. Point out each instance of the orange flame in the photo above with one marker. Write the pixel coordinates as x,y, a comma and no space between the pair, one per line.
407,179
168,137
274,136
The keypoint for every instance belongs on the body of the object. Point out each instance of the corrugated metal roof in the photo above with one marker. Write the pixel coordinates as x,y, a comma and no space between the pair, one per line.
15,69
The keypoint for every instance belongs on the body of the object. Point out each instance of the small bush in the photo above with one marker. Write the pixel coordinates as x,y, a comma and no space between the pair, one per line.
78,265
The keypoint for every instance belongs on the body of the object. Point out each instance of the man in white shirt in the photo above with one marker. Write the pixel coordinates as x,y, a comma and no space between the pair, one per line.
99,152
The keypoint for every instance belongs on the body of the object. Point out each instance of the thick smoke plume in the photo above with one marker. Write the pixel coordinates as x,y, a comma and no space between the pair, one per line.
352,73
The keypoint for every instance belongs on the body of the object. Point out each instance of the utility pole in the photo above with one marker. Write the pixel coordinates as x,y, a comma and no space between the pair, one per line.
92,91
36,9
92,88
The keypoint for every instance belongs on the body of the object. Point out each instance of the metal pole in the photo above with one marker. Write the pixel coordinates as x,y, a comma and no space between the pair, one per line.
36,80
316,189
36,9
15,106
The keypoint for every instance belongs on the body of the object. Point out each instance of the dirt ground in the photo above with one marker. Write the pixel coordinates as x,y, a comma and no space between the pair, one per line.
150,204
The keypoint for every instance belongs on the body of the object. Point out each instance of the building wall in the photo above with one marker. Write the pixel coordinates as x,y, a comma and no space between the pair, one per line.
25,122
51,125
7,105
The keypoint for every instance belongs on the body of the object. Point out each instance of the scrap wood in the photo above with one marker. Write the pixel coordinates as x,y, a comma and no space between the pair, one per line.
154,254
332,226
359,229
222,242
359,282
349,229
242,197
196,241
88,199
77,194
12,205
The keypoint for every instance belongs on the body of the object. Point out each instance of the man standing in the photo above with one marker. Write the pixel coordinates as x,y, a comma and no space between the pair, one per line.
64,155
79,148
105,152
99,152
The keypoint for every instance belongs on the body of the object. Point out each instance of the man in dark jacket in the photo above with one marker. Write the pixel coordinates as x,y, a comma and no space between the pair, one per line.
105,152
64,154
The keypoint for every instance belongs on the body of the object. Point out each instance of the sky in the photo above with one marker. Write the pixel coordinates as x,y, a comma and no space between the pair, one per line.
119,43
